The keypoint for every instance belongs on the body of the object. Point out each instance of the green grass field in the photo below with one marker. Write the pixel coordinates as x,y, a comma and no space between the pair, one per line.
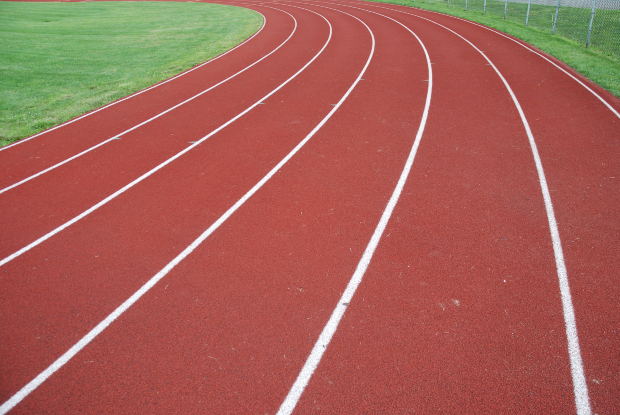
59,60
602,67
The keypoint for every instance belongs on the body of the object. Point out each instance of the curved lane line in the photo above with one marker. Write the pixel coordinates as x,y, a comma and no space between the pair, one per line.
580,387
313,360
23,140
123,189
518,42
135,127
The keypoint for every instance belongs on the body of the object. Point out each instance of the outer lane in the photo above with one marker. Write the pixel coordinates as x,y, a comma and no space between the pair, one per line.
578,141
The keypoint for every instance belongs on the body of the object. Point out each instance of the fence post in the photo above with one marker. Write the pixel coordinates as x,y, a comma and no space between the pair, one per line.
590,24
505,8
466,5
555,17
484,6
527,14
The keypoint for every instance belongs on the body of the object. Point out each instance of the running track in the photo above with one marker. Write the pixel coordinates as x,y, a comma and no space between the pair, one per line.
380,210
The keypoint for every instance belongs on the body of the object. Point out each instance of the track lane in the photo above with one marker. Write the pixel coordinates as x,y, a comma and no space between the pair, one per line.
34,154
226,170
326,335
67,192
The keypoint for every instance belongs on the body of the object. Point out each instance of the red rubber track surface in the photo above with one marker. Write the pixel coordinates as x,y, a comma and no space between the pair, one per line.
459,310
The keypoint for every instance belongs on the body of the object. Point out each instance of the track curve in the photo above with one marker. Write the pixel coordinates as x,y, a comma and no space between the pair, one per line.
246,242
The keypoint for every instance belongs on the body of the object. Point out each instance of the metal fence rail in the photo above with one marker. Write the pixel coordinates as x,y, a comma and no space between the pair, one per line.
594,23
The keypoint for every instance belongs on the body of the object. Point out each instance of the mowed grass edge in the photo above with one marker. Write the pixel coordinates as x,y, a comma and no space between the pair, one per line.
601,68
60,60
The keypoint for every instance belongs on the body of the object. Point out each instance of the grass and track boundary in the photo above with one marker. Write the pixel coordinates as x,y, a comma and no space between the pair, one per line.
600,67
61,60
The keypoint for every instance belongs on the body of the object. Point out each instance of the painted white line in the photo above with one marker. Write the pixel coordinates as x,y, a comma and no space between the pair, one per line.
580,387
135,127
518,42
23,140
313,360
99,328
27,179
159,166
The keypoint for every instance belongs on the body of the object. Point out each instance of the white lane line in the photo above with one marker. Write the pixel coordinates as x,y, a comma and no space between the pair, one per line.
313,360
520,43
135,127
23,140
27,179
580,387
99,328
159,166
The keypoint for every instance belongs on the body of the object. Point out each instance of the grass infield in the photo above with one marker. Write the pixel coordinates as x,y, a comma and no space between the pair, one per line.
600,67
60,60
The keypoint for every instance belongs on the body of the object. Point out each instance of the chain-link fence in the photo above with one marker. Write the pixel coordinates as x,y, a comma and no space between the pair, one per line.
594,23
